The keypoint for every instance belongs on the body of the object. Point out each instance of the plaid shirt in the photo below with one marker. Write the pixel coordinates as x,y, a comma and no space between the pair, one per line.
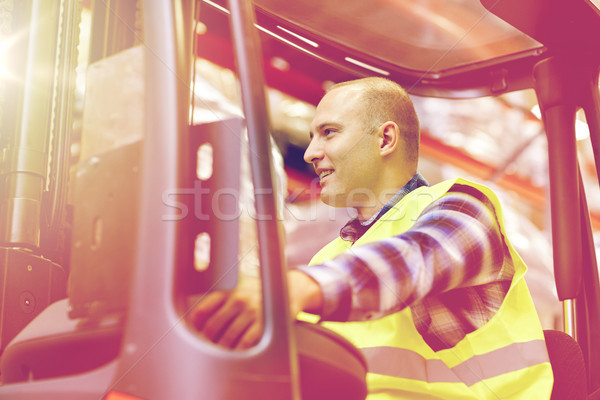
451,267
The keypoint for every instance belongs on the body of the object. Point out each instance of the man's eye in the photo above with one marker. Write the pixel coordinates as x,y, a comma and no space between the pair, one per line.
328,131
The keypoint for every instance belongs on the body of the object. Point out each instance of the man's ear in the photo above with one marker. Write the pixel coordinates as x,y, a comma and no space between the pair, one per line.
389,138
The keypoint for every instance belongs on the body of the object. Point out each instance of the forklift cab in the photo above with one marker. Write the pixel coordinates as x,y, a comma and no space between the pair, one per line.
118,209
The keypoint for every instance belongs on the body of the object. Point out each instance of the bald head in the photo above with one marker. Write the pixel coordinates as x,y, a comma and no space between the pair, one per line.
383,100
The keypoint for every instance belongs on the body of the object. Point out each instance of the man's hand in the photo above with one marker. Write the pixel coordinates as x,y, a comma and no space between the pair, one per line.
231,318
234,318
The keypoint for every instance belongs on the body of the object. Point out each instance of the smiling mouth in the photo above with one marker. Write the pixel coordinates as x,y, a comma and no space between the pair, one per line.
325,173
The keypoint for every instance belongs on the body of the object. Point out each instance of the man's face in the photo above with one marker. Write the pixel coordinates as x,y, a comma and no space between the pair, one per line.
344,155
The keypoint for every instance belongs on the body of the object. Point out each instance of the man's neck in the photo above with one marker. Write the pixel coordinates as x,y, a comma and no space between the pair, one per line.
367,212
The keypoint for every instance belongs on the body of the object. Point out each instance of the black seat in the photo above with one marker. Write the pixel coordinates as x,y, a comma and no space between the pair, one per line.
330,366
568,366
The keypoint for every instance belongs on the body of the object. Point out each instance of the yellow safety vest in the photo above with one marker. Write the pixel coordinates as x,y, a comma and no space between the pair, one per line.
504,359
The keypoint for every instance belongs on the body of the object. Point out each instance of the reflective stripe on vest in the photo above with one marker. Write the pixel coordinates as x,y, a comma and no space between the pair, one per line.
504,359
404,363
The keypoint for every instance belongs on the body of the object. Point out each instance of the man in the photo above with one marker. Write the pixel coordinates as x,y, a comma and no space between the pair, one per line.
423,281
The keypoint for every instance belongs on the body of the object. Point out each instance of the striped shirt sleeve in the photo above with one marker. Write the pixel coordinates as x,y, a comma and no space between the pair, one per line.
456,242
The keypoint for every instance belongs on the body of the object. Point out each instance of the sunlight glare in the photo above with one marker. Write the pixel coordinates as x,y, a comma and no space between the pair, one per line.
7,44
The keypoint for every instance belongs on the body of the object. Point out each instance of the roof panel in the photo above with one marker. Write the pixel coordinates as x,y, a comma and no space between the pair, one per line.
431,36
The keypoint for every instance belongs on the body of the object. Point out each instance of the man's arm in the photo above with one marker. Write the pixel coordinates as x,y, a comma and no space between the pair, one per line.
455,242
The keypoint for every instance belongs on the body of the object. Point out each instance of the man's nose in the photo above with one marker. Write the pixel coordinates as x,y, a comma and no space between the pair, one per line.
314,152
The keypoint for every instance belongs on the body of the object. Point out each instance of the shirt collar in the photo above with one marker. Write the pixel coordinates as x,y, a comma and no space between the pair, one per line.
354,229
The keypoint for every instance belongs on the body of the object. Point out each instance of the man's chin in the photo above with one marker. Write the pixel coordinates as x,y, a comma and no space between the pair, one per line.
332,200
